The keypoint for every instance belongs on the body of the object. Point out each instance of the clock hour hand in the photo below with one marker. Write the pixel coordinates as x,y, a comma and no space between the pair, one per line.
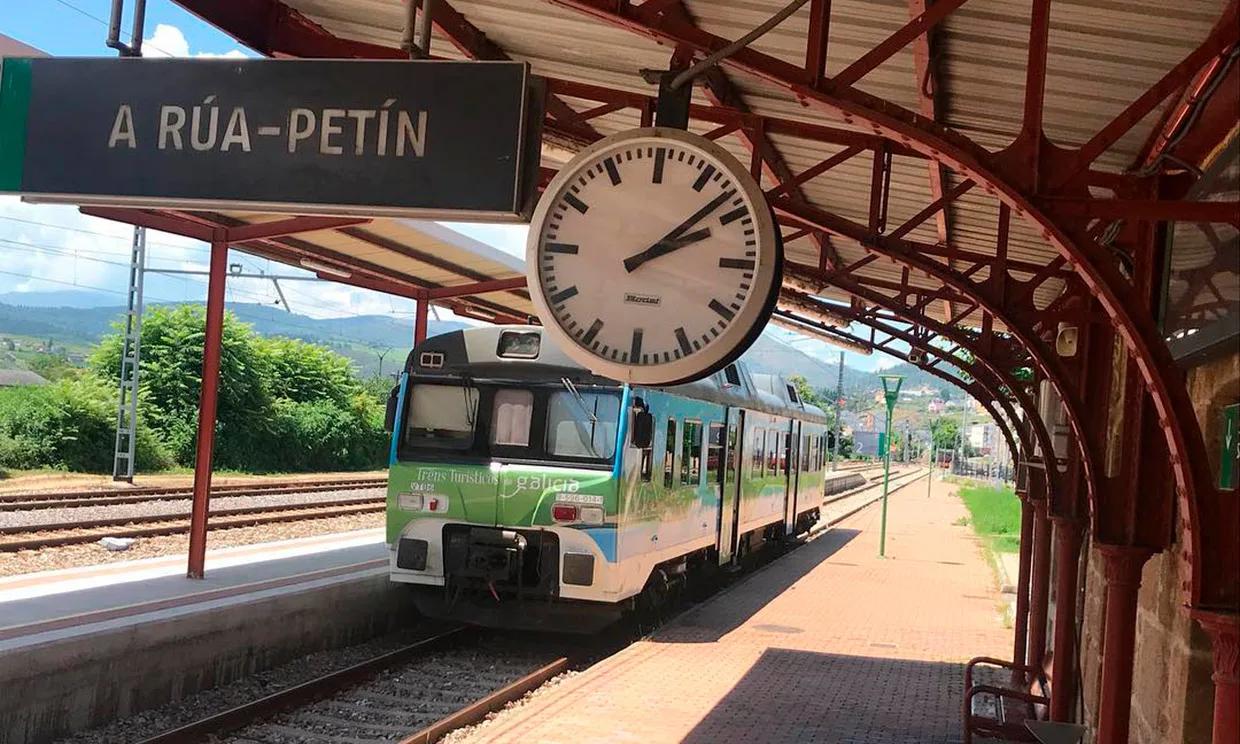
659,248
665,246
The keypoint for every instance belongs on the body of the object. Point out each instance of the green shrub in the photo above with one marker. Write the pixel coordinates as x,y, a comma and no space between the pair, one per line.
69,425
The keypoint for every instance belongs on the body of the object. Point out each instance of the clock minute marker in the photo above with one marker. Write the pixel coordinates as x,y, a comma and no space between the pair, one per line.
564,294
723,310
595,327
576,203
612,172
683,340
700,183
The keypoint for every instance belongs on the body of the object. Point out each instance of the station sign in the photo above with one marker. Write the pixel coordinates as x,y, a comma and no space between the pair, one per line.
428,139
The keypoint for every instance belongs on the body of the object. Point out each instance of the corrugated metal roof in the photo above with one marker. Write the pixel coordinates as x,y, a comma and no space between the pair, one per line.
1102,55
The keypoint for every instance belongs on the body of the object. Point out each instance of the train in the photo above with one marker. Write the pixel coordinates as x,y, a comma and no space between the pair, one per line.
527,492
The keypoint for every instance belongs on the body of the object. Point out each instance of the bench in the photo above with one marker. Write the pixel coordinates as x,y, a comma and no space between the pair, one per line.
999,711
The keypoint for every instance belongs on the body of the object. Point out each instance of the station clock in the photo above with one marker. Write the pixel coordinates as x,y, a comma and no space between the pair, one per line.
653,257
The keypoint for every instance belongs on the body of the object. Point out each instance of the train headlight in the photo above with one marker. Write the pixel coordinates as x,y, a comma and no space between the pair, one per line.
410,502
592,514
564,512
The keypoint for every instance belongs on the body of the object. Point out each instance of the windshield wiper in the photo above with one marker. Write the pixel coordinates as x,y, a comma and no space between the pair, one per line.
581,403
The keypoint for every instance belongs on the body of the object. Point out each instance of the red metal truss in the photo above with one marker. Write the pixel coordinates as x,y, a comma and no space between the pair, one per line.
972,387
1007,180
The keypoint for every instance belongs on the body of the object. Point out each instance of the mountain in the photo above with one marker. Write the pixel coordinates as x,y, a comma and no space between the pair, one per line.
79,317
68,318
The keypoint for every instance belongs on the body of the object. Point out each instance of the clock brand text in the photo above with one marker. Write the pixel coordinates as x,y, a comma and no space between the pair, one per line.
642,299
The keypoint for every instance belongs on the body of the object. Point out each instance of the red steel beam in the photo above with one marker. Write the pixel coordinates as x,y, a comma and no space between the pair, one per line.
207,406
816,40
290,226
152,220
1148,210
474,44
494,285
919,25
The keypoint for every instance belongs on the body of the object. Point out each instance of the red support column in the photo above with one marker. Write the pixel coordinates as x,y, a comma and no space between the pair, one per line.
1067,555
419,320
1021,632
1122,567
1039,590
207,405
1224,632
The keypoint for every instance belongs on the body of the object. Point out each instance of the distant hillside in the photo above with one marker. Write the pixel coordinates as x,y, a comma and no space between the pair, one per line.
361,338
83,317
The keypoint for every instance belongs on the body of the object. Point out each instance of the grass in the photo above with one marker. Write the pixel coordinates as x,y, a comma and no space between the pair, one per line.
994,514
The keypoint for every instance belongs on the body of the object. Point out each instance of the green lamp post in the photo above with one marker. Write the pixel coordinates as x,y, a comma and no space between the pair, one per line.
891,393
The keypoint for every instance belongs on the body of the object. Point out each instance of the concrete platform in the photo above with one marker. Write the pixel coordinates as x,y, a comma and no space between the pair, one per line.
83,646
828,644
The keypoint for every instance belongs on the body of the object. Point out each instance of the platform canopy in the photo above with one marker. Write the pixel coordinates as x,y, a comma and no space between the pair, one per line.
1006,186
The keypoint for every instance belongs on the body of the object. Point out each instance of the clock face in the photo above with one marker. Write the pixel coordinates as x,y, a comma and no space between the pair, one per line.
653,257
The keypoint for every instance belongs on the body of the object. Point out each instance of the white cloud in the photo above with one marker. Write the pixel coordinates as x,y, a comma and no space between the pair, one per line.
169,41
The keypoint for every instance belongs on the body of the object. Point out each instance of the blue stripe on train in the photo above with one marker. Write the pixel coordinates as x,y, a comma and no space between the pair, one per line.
605,538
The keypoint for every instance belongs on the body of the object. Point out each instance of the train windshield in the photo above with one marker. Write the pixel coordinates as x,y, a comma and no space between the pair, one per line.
538,423
441,417
582,425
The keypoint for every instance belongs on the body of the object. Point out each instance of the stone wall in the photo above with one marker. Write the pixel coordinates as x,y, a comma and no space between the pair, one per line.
1172,695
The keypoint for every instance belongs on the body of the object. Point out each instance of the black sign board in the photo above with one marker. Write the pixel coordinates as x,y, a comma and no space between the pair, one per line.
455,140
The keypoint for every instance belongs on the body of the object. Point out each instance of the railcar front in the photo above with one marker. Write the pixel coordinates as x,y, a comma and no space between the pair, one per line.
502,497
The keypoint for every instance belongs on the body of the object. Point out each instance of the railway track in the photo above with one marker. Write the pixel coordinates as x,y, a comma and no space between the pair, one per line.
106,496
43,535
413,695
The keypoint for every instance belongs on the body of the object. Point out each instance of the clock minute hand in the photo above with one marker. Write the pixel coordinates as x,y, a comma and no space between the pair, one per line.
658,249
664,247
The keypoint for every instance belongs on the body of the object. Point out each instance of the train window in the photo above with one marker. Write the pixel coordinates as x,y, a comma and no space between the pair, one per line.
518,344
805,452
772,452
441,416
792,394
582,424
732,375
669,454
510,417
759,447
714,453
691,454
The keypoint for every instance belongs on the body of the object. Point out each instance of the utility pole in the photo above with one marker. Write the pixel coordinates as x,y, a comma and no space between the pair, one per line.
839,395
890,395
131,355
382,354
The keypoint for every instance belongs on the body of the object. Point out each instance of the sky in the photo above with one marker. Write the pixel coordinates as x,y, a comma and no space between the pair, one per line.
47,248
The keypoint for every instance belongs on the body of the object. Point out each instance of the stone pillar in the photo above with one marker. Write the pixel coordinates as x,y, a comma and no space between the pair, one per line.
1224,632
1039,590
1067,555
1121,566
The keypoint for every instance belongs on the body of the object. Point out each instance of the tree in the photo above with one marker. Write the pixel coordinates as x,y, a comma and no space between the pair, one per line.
807,393
946,433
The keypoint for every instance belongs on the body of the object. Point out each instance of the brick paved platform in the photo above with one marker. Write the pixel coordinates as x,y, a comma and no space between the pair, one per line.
828,644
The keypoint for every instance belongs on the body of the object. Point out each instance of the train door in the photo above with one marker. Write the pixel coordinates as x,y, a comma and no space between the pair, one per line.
793,452
730,494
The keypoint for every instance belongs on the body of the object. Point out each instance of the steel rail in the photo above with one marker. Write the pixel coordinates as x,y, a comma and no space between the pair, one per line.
12,529
178,495
298,695
478,710
227,489
291,514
